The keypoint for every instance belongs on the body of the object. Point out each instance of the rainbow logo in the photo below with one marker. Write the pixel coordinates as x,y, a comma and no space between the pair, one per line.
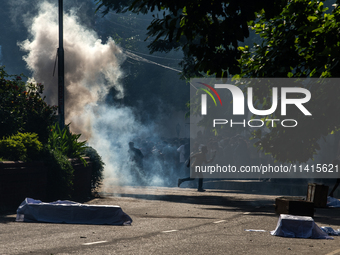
208,92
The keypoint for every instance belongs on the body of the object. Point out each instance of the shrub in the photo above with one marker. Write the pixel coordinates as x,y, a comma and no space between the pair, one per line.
66,142
22,146
97,167
59,176
32,145
23,108
12,149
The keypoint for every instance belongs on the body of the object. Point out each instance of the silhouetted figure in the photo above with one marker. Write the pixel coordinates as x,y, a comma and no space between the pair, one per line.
136,159
198,159
241,153
168,162
182,158
178,129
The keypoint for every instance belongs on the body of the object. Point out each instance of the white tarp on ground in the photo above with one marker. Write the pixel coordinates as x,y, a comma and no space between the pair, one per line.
32,210
299,227
332,202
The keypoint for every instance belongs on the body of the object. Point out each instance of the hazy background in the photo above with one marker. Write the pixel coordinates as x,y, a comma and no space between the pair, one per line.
111,96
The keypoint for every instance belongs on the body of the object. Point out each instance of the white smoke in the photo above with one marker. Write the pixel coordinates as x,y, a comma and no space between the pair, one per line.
91,67
91,70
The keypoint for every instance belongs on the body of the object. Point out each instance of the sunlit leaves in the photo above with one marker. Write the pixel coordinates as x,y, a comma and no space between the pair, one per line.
302,41
22,107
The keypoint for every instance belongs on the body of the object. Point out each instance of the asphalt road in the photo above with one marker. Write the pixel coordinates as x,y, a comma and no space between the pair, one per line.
171,221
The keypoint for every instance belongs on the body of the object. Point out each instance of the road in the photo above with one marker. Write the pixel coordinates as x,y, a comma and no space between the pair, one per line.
171,221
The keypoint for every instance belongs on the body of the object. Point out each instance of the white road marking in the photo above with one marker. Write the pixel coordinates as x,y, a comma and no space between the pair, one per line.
220,221
94,242
247,213
169,231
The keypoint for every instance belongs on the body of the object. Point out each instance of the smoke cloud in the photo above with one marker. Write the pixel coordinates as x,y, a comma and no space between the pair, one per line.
92,68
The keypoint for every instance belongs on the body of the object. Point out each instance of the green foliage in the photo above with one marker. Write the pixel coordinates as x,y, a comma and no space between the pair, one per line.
32,144
209,32
301,41
22,146
12,149
302,142
66,142
97,167
59,176
23,108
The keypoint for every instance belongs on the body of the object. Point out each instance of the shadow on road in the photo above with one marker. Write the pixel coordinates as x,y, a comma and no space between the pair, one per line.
7,218
227,203
252,206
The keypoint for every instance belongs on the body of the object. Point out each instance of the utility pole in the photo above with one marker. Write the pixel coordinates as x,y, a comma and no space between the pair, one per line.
61,74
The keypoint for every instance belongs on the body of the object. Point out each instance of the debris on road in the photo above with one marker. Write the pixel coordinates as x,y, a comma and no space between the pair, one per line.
330,231
332,202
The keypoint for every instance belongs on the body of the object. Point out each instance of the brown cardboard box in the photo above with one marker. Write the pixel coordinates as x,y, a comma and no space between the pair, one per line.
294,206
317,193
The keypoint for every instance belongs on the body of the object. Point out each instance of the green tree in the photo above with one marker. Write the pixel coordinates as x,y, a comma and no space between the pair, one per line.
298,39
23,108
302,41
209,32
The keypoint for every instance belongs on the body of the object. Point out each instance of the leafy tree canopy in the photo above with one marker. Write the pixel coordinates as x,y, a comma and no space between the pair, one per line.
301,41
298,39
207,31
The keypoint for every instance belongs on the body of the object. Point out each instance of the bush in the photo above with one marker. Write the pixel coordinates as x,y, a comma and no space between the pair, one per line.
66,142
12,149
22,146
97,167
32,145
59,176
23,108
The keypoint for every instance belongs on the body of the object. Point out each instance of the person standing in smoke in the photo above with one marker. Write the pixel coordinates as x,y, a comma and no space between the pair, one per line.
198,159
178,129
136,160
181,151
167,160
241,153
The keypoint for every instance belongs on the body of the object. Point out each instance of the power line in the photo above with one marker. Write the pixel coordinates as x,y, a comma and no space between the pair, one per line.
139,58
152,56
115,14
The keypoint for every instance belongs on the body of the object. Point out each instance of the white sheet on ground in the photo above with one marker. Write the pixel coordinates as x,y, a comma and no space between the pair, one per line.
299,227
330,231
332,202
32,210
